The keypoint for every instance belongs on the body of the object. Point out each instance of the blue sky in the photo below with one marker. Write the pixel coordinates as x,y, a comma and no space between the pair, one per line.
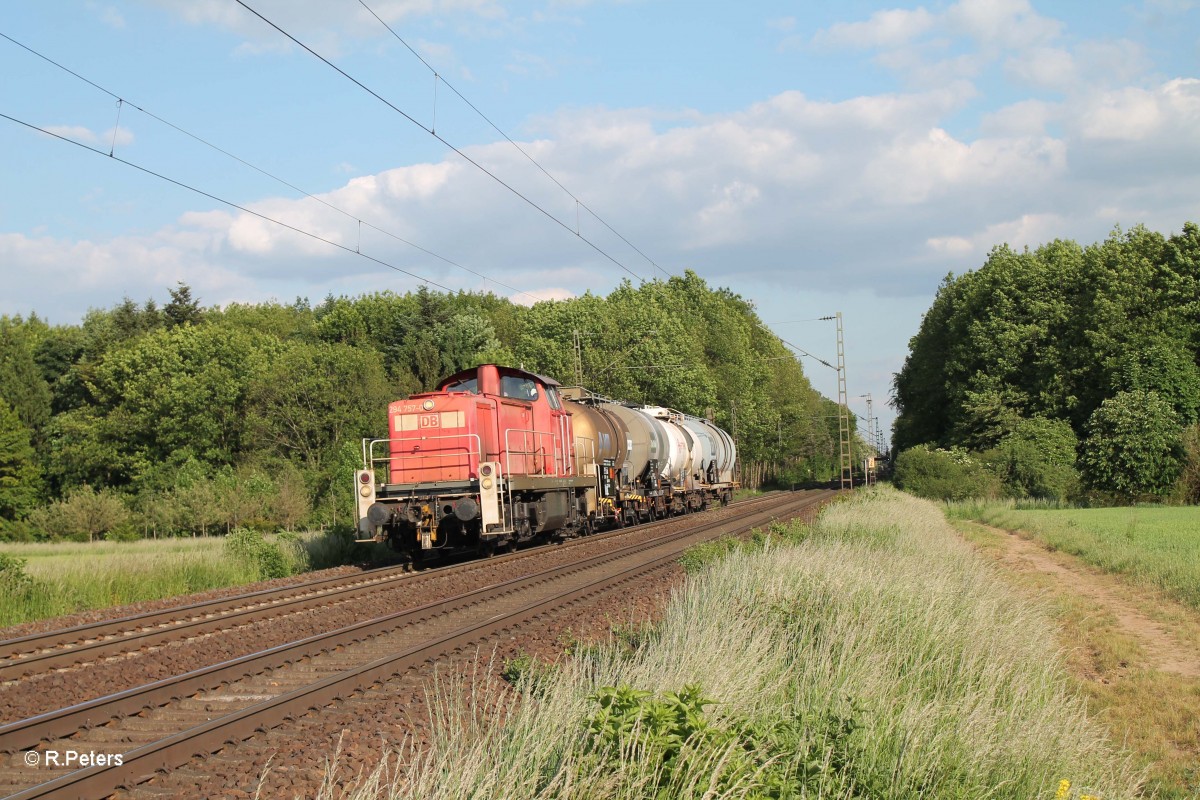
813,157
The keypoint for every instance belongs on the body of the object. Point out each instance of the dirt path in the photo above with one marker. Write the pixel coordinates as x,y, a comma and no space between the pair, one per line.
1163,650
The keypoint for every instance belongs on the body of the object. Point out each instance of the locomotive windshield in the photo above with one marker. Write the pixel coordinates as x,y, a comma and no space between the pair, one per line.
518,387
468,385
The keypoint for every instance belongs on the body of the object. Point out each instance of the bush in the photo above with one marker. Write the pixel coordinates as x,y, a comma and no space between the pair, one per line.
944,474
334,547
84,516
1133,447
278,559
1037,459
1187,488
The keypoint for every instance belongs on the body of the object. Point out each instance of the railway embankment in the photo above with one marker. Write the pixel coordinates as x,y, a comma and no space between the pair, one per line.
873,654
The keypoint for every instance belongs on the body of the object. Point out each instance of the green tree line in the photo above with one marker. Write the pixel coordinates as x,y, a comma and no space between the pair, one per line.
1060,371
149,421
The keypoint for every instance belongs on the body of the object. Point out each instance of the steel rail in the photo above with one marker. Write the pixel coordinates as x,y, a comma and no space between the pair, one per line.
24,734
213,734
68,647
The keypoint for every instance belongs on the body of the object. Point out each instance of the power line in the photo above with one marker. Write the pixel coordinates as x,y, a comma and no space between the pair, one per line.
797,348
229,203
435,135
521,150
262,171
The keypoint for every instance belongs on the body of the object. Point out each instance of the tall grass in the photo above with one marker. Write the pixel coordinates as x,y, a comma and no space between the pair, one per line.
1157,546
40,580
878,657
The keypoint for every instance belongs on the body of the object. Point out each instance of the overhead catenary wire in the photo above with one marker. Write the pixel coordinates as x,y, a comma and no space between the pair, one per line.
441,139
439,78
229,203
797,348
122,101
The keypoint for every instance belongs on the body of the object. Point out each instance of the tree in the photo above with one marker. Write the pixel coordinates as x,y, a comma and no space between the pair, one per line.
1037,459
313,397
182,310
1133,447
85,513
22,385
944,474
20,476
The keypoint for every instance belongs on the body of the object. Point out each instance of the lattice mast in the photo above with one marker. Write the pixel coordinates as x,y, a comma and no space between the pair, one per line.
843,412
870,438
578,337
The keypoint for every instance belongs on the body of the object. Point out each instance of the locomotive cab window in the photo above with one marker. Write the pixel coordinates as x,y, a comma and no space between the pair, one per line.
518,388
469,385
552,396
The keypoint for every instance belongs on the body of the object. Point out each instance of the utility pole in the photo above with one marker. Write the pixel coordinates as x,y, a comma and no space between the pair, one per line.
870,440
578,358
845,457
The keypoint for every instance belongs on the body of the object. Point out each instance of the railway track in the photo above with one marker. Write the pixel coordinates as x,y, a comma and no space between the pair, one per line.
84,644
156,727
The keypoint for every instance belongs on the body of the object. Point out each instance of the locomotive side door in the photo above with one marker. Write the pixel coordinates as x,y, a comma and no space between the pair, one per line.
486,415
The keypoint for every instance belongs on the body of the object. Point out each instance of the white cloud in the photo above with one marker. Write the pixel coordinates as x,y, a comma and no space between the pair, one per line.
927,47
547,293
1044,68
1010,24
1133,114
1023,118
117,137
884,29
76,133
1028,230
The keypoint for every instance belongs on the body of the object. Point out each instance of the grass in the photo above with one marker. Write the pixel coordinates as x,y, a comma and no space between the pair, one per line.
63,578
1153,712
1156,546
874,655
41,580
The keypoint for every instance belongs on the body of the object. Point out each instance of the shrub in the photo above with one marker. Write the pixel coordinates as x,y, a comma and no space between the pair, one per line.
944,474
1133,446
1037,459
1187,488
334,547
278,559
527,673
85,516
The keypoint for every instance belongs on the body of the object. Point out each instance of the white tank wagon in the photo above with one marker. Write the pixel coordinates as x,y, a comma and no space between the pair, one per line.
650,461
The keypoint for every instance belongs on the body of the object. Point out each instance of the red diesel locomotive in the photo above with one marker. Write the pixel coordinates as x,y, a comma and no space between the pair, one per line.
497,456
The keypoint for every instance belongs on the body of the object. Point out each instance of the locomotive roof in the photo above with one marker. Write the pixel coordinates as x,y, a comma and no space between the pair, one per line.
466,373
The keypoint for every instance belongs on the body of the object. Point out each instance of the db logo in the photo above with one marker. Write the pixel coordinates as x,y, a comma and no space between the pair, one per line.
429,421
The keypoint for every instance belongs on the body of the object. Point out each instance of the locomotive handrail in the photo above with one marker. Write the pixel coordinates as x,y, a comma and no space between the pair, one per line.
538,452
369,458
583,457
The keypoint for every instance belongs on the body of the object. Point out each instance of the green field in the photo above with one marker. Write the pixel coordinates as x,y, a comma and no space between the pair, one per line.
39,580
1156,546
63,578
875,655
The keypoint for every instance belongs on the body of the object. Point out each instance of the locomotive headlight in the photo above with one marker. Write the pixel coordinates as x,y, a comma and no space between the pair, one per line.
487,483
365,490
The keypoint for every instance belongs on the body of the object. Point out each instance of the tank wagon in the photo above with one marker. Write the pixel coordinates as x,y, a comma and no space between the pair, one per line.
496,456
